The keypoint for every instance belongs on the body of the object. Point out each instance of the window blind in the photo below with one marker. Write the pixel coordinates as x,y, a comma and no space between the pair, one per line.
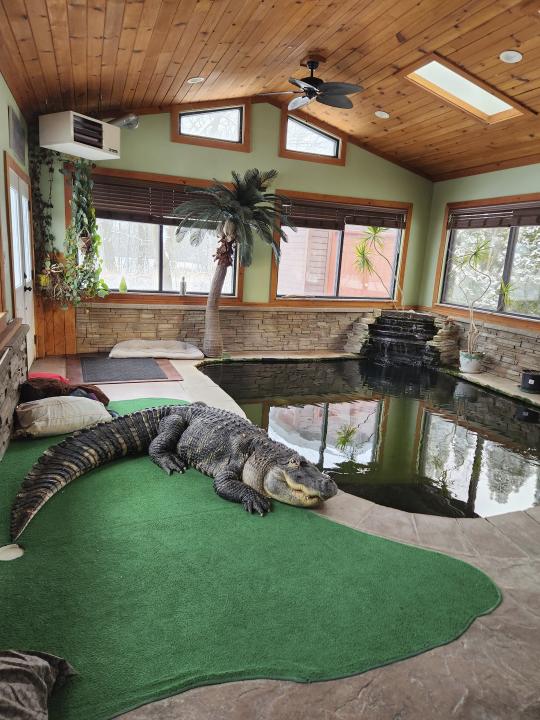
495,216
334,216
121,198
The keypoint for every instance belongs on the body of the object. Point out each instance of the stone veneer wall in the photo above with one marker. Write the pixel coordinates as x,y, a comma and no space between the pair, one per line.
507,350
12,374
100,326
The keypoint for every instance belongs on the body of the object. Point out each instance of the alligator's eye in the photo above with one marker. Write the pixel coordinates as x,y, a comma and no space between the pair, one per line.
294,463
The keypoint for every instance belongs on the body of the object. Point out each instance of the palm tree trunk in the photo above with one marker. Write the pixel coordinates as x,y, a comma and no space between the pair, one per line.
213,342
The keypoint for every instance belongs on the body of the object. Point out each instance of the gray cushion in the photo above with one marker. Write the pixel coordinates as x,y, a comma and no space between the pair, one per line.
26,681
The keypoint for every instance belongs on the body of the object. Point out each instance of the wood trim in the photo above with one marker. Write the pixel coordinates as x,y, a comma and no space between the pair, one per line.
11,164
361,303
155,177
518,108
244,103
509,321
316,125
483,315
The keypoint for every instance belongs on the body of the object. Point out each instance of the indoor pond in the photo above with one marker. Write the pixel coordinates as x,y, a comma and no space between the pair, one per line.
410,438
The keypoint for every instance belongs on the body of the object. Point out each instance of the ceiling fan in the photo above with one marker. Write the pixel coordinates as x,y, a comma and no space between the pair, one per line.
313,88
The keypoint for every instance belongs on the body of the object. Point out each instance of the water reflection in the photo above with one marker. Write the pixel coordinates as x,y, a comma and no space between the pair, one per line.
412,439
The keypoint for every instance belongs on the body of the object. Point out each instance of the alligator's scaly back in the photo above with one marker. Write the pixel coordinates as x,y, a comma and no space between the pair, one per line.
80,453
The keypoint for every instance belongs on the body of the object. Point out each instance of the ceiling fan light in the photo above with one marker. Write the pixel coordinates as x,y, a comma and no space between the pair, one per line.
195,80
511,56
382,114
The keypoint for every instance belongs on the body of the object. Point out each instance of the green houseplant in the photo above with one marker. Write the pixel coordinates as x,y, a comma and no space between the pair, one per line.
472,274
366,251
236,213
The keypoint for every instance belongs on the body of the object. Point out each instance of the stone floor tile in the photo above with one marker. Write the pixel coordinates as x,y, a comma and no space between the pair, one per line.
534,512
442,534
345,509
521,529
487,540
390,523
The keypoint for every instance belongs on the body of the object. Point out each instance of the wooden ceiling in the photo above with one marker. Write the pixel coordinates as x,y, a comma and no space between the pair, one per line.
101,55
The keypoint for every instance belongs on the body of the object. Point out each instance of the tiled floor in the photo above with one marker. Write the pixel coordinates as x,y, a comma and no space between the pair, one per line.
489,673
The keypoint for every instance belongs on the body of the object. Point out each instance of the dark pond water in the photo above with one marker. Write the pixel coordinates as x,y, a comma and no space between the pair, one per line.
414,439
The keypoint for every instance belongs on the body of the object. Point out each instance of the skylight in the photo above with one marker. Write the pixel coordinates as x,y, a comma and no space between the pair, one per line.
454,87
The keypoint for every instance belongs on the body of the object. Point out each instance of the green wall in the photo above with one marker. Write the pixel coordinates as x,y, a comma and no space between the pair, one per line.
6,99
513,181
365,175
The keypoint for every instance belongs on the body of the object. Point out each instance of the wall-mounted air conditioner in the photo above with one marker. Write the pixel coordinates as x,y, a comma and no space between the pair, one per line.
75,134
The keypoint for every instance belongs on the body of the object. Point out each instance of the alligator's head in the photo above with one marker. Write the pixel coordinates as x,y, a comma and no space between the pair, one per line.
298,482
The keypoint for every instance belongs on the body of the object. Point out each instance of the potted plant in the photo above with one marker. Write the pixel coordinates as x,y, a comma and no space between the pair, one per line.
474,280
236,214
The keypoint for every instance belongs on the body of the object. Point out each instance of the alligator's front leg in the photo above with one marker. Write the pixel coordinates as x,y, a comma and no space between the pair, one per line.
162,449
228,486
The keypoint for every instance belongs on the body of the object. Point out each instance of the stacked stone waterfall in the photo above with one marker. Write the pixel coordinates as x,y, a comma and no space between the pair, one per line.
409,338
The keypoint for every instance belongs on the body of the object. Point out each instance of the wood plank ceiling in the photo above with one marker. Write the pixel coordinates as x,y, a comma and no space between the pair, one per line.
116,55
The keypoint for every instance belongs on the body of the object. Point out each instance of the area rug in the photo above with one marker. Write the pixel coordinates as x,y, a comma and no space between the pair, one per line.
102,369
150,585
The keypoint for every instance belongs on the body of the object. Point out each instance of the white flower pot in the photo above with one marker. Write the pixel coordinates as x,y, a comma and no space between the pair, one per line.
470,362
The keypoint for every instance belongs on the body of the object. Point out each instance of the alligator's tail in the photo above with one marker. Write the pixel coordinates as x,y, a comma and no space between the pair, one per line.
80,453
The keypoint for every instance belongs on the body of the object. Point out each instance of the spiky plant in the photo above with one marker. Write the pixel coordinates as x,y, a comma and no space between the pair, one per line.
237,214
373,244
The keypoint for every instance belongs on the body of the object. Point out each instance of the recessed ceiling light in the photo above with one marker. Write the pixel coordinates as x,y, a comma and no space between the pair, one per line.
195,80
511,56
382,114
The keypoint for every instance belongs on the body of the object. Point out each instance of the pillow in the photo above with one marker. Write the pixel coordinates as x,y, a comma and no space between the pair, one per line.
26,681
156,349
49,376
59,415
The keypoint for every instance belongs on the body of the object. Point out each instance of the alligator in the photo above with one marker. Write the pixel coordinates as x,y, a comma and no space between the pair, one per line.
246,465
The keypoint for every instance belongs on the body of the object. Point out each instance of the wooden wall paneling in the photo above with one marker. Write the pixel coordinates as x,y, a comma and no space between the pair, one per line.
201,43
96,20
117,55
114,14
62,51
138,57
78,37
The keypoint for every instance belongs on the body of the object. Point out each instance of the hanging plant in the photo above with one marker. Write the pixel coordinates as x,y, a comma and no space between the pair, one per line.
76,275
42,164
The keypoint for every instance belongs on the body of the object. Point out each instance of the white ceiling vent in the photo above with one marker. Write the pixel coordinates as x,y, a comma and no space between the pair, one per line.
75,134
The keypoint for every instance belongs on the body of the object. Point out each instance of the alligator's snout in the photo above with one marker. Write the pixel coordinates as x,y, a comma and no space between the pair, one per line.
300,483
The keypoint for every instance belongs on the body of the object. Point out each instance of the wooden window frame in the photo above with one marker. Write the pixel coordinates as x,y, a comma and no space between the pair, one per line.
243,103
517,110
493,316
316,124
157,298
11,164
333,302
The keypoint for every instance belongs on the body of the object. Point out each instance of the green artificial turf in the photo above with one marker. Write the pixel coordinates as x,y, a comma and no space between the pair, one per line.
150,585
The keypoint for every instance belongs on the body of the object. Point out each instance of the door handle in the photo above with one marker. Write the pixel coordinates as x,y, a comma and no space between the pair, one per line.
28,288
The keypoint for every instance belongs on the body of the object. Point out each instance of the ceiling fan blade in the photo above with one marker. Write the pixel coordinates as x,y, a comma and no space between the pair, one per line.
335,88
302,84
337,101
299,102
280,92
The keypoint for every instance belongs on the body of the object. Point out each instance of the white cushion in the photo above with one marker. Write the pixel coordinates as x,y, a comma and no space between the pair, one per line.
156,349
59,415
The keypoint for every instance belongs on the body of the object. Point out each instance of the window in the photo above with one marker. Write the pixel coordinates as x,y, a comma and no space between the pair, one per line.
301,137
316,142
452,85
508,276
223,124
139,245
213,124
320,257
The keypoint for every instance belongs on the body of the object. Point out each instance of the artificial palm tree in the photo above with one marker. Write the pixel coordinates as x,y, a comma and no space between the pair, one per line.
236,213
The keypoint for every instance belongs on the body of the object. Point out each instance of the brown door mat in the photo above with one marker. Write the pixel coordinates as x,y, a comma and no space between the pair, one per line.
100,369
